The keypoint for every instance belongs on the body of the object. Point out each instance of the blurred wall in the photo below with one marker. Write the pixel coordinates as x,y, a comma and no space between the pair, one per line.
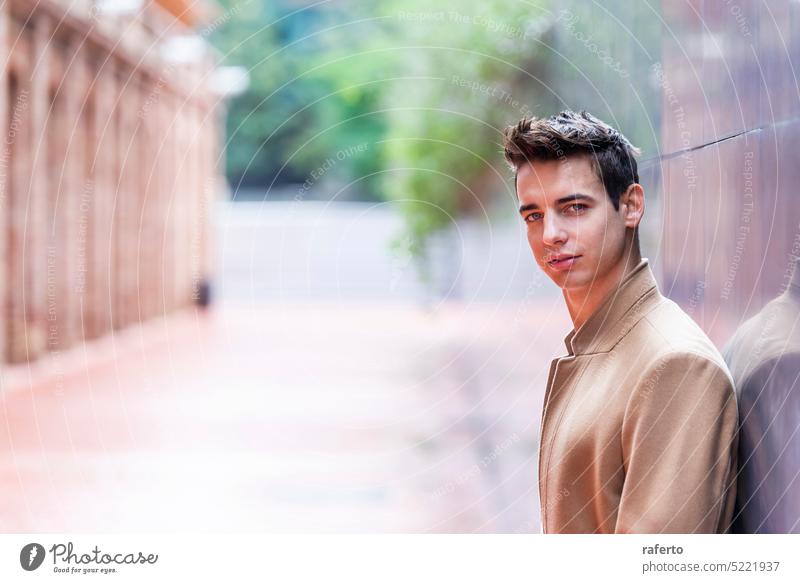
729,131
731,222
108,160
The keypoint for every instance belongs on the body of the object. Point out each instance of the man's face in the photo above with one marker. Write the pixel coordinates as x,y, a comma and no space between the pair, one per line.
575,233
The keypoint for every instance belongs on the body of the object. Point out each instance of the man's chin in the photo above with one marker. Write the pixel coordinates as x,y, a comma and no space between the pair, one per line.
569,280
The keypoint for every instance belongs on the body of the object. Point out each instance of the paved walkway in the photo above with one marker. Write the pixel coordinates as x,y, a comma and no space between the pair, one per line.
267,415
285,419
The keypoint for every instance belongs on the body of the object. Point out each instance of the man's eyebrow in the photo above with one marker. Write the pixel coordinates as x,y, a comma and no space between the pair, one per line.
529,207
570,197
574,196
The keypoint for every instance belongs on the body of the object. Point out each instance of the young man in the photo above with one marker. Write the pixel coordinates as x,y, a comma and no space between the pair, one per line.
639,428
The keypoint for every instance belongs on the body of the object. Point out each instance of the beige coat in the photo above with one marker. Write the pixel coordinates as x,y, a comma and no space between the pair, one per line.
639,427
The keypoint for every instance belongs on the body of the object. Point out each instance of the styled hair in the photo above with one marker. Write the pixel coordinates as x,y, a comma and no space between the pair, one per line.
574,134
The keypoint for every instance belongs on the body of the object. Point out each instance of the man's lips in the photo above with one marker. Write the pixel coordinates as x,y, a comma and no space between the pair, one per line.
559,258
561,262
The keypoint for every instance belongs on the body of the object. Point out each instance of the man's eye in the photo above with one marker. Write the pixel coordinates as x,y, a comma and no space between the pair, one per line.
533,217
577,207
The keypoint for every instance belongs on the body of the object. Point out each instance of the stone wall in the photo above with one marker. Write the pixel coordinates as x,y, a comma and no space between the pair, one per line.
108,166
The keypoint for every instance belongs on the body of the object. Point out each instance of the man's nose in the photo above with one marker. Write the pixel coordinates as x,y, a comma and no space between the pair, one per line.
554,233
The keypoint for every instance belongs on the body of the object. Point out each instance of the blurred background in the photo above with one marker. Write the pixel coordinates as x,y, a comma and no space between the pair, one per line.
264,269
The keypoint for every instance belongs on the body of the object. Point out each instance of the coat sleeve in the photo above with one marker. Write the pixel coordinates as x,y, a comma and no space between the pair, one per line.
679,439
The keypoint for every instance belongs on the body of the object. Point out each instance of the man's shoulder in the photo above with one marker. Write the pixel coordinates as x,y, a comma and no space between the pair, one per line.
670,347
671,333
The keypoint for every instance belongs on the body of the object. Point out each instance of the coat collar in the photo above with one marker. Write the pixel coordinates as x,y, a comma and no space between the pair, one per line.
624,306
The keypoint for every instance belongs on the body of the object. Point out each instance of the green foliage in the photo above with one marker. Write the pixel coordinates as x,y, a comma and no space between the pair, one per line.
426,86
446,78
268,125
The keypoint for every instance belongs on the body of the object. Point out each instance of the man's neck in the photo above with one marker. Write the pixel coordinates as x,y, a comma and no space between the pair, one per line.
584,302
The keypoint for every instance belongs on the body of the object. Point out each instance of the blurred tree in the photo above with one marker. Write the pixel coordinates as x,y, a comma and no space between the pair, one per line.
279,130
409,97
446,78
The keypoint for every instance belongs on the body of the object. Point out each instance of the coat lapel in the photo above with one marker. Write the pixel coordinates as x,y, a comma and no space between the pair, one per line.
636,295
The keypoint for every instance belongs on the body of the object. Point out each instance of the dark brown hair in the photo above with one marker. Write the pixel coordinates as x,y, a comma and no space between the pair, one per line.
574,134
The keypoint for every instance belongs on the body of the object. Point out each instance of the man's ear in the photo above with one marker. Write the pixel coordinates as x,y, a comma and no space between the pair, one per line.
631,203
